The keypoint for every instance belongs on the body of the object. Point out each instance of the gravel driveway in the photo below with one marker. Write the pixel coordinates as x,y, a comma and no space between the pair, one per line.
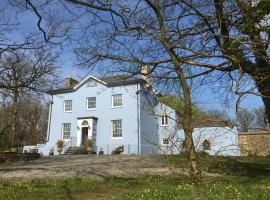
96,167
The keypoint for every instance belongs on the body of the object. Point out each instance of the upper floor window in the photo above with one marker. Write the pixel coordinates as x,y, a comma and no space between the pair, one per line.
67,105
91,83
66,128
117,128
91,103
164,120
206,145
117,100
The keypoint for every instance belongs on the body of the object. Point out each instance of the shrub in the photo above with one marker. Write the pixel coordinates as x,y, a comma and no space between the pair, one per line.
89,142
60,144
51,151
118,150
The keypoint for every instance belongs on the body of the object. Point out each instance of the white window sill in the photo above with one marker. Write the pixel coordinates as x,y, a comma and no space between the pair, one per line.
90,109
116,138
164,125
117,107
67,111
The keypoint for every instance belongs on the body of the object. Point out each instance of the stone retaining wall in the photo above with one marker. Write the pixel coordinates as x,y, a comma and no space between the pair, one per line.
257,143
12,156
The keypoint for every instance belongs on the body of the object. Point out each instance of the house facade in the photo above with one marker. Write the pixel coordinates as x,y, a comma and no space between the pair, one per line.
213,136
115,111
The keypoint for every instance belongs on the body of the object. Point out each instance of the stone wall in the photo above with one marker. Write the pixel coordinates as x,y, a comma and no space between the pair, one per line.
13,157
257,143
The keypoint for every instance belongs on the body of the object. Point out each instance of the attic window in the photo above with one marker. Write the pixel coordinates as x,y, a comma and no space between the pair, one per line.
91,83
206,145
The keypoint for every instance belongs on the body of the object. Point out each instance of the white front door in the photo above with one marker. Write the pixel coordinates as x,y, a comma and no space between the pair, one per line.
84,130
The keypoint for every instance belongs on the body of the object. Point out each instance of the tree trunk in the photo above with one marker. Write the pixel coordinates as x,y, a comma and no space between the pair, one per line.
187,118
188,126
14,124
264,90
260,73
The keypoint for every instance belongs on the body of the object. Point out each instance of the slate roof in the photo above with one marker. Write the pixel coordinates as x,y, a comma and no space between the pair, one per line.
257,131
109,80
210,122
121,80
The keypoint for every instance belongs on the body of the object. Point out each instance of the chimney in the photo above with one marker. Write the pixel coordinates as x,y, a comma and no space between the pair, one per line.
70,82
146,75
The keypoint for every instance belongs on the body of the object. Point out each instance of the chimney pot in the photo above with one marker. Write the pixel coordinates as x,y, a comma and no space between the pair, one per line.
70,82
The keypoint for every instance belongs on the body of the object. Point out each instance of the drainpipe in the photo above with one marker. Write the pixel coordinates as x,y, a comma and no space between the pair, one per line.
49,121
138,117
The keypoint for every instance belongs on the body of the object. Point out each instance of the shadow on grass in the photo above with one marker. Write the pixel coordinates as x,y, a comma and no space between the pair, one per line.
252,167
67,190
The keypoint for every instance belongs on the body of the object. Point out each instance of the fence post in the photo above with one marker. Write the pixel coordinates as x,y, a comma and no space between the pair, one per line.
128,149
108,149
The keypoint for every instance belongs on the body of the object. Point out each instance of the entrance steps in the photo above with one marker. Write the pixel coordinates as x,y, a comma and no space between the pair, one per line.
74,151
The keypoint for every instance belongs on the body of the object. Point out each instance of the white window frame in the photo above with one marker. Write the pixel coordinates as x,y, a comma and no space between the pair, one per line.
164,119
165,144
87,105
114,95
65,105
121,129
63,131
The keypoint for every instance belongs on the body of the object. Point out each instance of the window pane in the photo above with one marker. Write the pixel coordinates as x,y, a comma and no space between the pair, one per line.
116,128
165,141
66,130
67,105
164,120
91,102
117,100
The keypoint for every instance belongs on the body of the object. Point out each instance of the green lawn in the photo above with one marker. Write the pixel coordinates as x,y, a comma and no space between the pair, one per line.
243,178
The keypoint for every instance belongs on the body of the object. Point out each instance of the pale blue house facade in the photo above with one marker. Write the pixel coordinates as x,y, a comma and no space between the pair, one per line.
119,111
113,111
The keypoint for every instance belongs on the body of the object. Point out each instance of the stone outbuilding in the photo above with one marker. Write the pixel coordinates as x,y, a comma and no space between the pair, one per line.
256,143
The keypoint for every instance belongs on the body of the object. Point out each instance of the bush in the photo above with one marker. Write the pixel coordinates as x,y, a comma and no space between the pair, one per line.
118,150
60,144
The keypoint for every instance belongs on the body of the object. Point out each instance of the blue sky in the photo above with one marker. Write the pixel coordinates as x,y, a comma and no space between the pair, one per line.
204,96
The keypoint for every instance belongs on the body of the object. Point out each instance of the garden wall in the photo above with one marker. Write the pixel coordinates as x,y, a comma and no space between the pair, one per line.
254,143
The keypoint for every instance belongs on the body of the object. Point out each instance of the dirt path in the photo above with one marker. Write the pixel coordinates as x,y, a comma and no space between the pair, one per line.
96,167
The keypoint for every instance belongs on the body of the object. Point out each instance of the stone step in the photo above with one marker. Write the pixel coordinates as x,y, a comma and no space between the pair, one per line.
74,151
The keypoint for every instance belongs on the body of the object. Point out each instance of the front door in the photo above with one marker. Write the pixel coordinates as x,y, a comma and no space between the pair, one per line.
84,135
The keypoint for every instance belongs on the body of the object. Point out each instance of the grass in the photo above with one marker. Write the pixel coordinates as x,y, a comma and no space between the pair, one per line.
251,166
243,178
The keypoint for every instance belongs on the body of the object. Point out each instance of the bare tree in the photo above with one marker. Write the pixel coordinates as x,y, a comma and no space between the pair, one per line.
25,73
131,35
234,35
31,121
261,118
218,114
246,119
179,41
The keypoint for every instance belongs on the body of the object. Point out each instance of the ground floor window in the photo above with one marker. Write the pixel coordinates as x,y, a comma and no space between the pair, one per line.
66,128
117,128
165,141
206,145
